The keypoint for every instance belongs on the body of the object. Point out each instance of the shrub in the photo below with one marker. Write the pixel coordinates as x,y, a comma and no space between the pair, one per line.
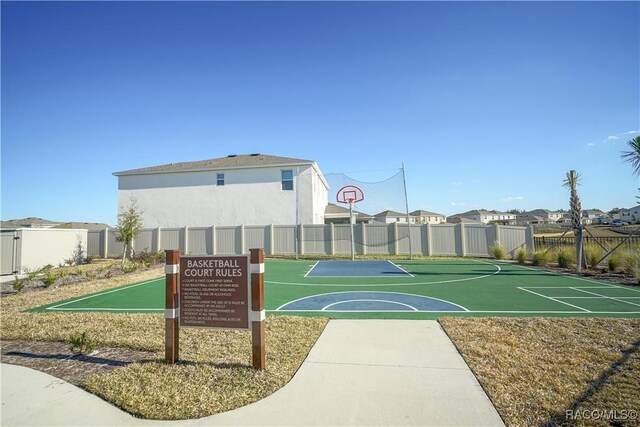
539,258
18,285
614,261
81,343
31,275
69,261
149,258
129,266
593,254
498,250
521,255
49,278
90,274
630,263
566,257
63,272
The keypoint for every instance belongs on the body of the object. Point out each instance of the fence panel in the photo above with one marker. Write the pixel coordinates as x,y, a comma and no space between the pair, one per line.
378,238
95,243
114,248
314,239
255,237
342,239
543,242
475,238
8,244
512,238
227,240
443,237
171,238
144,241
284,239
403,239
199,241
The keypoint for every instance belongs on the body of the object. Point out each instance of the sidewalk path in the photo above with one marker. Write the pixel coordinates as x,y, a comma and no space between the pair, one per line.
360,372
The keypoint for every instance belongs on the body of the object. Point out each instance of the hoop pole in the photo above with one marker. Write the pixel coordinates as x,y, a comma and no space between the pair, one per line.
353,252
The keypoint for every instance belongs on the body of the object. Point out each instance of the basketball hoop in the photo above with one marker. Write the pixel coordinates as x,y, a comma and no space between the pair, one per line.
349,194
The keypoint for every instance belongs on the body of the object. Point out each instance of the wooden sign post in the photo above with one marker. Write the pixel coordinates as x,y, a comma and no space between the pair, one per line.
216,292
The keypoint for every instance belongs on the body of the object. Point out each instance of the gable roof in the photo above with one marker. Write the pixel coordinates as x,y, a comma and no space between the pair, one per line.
389,213
424,213
230,162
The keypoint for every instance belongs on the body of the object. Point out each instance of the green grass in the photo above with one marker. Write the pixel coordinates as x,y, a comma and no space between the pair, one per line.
483,287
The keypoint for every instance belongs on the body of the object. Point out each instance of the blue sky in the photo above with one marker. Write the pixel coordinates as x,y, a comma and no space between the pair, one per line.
487,104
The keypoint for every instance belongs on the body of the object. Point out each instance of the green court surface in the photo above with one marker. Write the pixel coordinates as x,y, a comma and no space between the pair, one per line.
403,289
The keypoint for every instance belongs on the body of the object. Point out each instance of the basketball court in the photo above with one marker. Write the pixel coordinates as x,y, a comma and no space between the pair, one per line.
423,289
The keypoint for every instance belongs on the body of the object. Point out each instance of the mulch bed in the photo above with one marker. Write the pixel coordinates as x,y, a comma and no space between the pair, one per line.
54,358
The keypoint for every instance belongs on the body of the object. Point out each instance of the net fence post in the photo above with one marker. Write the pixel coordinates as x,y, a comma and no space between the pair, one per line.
172,307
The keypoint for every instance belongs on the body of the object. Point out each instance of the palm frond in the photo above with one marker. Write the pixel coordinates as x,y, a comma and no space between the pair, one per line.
633,155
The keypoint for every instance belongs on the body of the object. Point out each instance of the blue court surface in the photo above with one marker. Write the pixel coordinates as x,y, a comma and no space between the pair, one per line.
362,301
356,269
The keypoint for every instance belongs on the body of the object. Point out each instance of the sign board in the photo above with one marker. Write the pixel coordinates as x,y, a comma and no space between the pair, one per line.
214,292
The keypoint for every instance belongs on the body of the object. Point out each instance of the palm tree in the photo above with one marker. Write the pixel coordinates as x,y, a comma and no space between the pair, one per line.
575,208
633,155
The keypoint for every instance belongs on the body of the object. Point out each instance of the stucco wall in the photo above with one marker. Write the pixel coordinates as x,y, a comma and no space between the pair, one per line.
39,247
249,196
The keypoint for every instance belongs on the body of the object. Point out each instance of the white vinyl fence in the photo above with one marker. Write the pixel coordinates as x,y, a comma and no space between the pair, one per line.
331,239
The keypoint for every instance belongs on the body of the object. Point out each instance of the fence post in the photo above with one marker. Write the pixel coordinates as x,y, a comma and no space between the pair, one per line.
185,230
530,241
364,238
463,243
257,313
272,246
242,240
428,239
212,236
498,235
332,239
172,308
395,238
158,240
301,236
105,245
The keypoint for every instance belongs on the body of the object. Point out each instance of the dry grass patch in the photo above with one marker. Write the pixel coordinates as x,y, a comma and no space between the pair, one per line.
215,372
535,369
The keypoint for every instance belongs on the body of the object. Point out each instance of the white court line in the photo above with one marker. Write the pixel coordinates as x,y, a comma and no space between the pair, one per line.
379,292
312,267
368,300
400,268
553,273
554,299
102,293
451,311
606,297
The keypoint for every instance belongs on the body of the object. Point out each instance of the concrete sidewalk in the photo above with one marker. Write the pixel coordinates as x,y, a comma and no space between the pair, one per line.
360,372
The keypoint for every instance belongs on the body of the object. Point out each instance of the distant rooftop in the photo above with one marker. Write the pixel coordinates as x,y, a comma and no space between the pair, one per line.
230,161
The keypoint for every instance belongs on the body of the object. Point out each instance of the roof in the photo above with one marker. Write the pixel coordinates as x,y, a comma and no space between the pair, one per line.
45,223
389,213
229,162
334,211
424,213
461,219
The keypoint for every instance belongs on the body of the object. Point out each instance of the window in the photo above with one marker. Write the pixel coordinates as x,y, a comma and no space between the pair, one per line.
219,179
287,180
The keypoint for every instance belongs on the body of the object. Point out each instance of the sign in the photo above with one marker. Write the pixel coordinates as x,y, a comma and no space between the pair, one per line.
214,292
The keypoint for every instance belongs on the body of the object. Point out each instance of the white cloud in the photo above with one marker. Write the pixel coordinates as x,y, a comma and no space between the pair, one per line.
631,132
611,138
512,198
591,144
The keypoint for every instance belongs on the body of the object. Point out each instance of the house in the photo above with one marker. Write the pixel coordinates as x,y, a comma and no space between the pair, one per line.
487,217
631,215
426,217
250,189
589,216
540,216
389,217
334,214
